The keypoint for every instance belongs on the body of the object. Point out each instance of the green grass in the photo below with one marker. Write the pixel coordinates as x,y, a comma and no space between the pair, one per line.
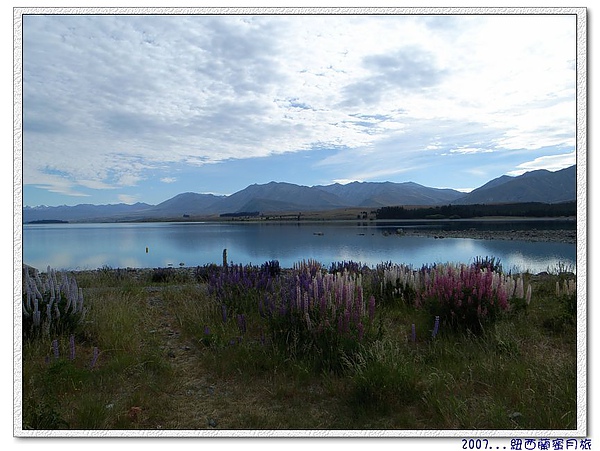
159,369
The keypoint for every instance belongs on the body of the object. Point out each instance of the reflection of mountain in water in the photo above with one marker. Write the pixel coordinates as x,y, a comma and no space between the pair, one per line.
72,246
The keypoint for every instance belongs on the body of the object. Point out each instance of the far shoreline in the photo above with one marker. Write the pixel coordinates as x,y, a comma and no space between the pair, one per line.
411,227
533,235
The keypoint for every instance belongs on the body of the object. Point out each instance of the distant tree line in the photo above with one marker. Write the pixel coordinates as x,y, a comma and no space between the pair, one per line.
48,221
525,209
240,214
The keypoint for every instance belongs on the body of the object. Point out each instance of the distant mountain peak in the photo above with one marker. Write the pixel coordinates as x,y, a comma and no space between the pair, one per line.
539,185
534,186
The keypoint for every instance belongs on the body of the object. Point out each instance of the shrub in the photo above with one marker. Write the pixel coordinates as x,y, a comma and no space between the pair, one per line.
489,263
567,295
464,296
162,275
324,317
240,287
52,303
399,282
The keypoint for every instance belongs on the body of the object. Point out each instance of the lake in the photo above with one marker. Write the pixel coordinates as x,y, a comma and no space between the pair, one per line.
91,246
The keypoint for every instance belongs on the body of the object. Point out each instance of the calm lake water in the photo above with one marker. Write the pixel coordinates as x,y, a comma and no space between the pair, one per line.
91,246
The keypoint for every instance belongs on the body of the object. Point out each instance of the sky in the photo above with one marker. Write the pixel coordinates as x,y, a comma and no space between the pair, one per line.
139,108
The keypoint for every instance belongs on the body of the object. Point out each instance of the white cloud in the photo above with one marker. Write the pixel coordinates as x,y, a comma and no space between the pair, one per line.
470,150
550,163
109,98
127,199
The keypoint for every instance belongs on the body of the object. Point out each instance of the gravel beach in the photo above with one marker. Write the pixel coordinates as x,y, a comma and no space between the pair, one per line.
560,235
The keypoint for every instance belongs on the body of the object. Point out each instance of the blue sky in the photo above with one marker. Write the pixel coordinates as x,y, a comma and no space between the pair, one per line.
140,108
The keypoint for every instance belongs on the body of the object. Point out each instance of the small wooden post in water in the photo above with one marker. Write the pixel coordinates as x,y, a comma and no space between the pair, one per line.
224,258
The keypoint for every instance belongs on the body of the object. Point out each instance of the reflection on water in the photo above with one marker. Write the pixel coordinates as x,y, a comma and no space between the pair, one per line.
90,246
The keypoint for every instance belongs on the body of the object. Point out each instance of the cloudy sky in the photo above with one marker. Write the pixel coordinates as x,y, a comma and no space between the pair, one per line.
128,108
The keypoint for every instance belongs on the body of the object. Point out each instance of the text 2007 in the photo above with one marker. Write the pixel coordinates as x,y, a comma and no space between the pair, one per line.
475,443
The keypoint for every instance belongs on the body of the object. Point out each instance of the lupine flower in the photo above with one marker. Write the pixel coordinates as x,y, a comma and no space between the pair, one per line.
361,331
413,335
72,347
55,348
372,307
43,307
436,326
528,295
224,313
519,290
206,330
241,321
95,354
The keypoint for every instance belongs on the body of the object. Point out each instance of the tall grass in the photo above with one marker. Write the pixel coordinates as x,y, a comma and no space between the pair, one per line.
348,347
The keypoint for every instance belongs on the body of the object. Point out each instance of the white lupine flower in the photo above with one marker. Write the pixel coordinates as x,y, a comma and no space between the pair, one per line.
519,291
28,296
572,286
68,305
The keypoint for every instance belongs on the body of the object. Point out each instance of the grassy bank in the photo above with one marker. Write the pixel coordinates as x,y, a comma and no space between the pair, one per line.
249,348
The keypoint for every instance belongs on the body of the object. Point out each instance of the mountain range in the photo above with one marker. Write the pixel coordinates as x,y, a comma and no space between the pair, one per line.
535,186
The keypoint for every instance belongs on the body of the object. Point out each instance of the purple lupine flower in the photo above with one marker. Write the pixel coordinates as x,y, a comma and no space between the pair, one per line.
340,324
95,355
206,330
308,322
413,335
361,331
372,307
55,348
224,312
72,347
436,327
241,322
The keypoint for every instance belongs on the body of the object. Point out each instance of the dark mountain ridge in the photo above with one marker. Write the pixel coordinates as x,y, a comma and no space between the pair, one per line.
535,186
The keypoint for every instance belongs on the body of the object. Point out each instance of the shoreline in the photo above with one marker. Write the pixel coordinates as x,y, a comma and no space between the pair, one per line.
567,236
